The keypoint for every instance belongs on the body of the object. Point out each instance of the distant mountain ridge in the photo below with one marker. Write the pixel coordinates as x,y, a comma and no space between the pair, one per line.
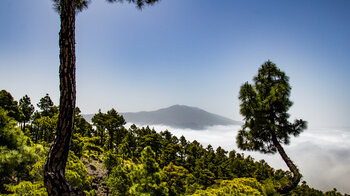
177,116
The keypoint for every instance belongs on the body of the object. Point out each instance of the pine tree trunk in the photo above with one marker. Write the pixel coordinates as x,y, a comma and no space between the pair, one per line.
102,135
293,168
54,176
111,140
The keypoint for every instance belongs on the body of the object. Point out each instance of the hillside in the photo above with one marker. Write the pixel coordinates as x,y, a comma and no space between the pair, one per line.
110,159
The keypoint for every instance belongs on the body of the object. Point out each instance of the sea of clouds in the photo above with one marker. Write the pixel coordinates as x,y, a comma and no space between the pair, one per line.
322,155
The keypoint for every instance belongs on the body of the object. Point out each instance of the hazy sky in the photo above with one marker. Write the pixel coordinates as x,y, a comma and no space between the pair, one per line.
190,52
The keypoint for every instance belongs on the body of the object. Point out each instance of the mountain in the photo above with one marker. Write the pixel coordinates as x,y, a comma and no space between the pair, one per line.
177,116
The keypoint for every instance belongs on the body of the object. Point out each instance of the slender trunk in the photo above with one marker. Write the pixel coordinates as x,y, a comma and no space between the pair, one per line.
293,168
111,140
54,176
45,135
101,139
40,134
36,132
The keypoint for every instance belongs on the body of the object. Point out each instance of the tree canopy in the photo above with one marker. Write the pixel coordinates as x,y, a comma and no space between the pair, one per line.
10,105
27,109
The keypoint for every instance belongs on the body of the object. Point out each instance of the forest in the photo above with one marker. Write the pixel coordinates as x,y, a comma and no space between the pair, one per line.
105,158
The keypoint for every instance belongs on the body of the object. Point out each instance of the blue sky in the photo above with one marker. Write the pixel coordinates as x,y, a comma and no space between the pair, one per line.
195,53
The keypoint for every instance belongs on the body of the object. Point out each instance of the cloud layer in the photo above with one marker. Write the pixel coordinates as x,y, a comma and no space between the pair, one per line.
322,155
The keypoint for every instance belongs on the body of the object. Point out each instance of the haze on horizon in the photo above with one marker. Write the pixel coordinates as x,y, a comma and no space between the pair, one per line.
195,53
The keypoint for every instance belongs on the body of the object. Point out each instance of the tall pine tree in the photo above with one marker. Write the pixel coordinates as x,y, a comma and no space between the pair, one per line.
265,106
56,161
27,109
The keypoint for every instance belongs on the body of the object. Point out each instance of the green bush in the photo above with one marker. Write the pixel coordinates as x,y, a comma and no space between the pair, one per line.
237,186
28,188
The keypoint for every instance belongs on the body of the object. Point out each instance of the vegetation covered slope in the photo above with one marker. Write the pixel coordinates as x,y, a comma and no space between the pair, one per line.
107,158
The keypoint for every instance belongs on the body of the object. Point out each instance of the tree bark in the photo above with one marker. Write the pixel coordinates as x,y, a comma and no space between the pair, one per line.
111,133
293,168
54,175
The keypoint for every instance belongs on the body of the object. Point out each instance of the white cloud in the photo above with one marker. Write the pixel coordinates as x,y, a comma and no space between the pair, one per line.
322,155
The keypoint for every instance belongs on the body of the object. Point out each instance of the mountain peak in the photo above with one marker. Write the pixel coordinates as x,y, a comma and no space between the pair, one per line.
179,116
181,107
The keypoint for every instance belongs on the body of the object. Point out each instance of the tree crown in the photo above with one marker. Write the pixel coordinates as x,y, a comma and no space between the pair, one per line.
80,5
265,106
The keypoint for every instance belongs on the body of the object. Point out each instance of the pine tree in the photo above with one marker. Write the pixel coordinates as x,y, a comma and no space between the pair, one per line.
114,124
10,105
16,151
27,109
146,177
56,161
46,105
99,120
265,106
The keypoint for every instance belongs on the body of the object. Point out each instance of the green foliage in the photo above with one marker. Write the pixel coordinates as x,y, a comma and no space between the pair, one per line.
44,128
44,123
265,106
170,149
114,125
28,188
84,142
304,189
10,105
17,152
128,146
27,109
47,106
146,177
204,177
177,179
76,173
45,103
131,179
81,126
8,131
98,121
119,181
110,124
237,186
110,160
86,147
333,192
